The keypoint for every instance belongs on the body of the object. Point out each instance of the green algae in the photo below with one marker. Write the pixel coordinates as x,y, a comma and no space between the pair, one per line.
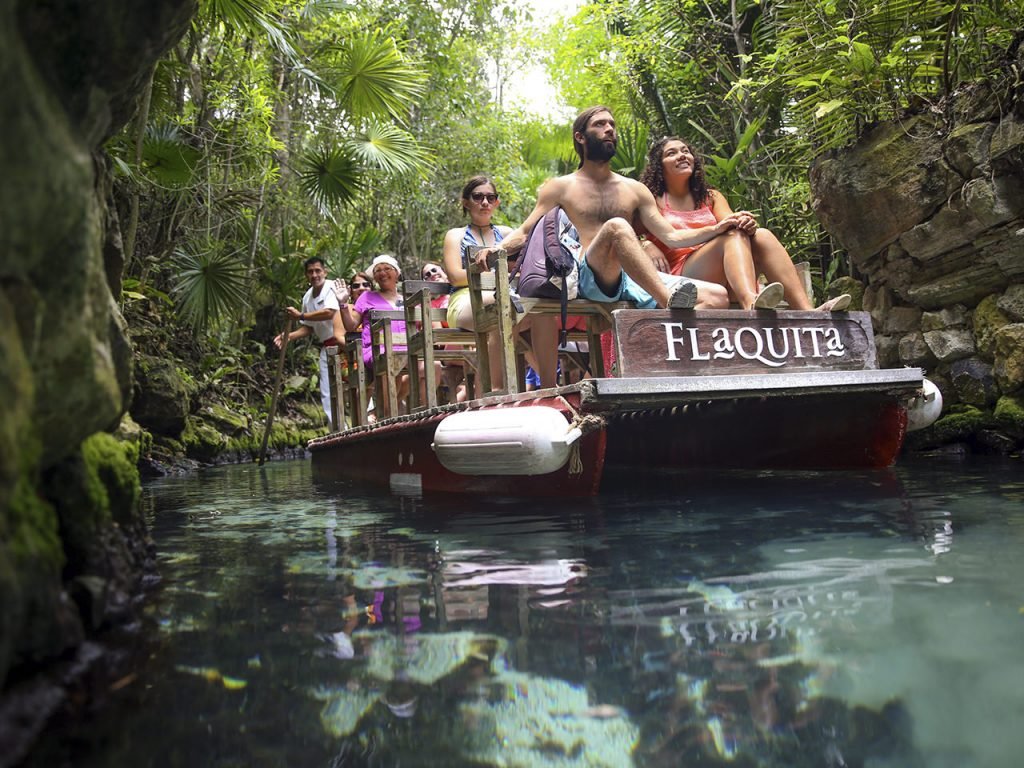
1009,414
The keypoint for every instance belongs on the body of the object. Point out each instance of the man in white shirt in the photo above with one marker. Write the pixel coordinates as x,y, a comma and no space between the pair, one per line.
320,316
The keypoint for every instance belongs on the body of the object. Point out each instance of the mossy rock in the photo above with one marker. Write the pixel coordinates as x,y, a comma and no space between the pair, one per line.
136,440
313,413
848,285
37,622
226,420
988,319
161,396
202,441
113,463
91,490
1009,415
959,425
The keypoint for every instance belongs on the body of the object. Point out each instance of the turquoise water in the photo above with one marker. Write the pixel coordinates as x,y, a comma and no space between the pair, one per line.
754,619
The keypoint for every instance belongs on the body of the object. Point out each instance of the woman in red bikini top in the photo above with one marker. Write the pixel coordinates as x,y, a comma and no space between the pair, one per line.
675,176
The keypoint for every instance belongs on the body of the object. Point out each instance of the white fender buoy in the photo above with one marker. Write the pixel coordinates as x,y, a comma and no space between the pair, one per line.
531,440
923,410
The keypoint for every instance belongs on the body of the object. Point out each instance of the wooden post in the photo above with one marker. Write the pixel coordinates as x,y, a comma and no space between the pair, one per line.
333,380
277,388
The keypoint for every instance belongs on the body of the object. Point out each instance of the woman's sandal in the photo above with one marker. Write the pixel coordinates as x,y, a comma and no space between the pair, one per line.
839,303
770,296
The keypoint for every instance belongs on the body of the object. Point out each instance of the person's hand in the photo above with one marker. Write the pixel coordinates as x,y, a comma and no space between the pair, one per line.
746,221
722,226
658,259
341,290
292,312
482,258
279,340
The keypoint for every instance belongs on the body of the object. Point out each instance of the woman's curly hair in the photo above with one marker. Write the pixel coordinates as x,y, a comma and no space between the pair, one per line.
653,176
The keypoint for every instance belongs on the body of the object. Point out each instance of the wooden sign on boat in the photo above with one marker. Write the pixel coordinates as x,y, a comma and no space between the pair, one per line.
732,342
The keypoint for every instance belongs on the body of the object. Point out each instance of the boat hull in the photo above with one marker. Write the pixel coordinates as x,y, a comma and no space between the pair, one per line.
863,432
399,456
810,420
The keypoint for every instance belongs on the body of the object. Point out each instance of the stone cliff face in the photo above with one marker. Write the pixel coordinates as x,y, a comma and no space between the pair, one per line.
70,74
931,212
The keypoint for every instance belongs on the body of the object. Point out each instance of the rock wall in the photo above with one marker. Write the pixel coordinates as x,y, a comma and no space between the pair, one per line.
931,212
70,74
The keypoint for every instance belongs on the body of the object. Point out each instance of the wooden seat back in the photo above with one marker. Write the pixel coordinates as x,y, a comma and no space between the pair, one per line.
427,344
496,316
388,365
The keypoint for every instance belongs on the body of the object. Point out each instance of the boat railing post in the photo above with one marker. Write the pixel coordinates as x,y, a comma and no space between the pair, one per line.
333,382
481,327
506,321
340,390
360,402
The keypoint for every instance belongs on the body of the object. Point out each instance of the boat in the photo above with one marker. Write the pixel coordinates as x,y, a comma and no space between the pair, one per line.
695,389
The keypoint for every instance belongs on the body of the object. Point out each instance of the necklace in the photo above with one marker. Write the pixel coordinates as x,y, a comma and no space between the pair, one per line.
483,237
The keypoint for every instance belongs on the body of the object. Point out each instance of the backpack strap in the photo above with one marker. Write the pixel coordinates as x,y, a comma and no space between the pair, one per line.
553,251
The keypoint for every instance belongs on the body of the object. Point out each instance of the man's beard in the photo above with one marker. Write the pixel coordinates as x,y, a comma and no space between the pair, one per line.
597,150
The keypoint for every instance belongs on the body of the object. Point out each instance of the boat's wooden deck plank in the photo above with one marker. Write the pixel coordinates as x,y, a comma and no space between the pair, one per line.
601,395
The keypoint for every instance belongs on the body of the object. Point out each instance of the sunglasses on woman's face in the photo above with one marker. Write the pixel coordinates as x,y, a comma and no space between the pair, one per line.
432,272
360,285
479,197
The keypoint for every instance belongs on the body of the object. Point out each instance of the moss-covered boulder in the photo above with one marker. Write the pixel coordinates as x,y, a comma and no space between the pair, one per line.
895,177
70,77
203,442
1009,415
960,424
224,419
848,285
161,402
987,320
1008,365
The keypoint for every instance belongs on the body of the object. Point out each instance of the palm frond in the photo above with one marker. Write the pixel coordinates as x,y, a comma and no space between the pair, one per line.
167,158
209,285
330,175
373,79
388,148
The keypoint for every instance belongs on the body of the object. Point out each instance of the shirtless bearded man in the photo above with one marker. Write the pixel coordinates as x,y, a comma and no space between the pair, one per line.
602,204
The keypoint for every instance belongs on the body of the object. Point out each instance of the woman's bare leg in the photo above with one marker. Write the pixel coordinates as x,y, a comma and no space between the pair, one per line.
772,258
726,260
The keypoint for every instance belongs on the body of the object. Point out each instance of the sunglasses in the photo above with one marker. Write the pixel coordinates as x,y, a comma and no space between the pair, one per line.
479,197
360,285
429,271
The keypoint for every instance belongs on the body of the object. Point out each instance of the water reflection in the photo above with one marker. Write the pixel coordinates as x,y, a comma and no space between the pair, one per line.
727,619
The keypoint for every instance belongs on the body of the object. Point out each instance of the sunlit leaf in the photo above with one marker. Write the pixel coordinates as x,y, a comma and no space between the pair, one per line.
827,106
372,77
389,148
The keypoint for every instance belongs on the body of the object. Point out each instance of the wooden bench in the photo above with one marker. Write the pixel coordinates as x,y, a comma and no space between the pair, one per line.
346,372
597,314
427,344
388,365
497,317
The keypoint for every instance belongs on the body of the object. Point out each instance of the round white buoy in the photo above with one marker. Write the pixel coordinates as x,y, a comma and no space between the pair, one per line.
924,409
533,440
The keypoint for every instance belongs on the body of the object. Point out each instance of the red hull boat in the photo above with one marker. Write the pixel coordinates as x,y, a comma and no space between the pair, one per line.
785,390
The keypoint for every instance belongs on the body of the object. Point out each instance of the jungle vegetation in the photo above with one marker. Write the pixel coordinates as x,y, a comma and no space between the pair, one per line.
278,129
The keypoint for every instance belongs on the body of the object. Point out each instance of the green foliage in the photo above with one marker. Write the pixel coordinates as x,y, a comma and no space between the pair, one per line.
211,285
371,77
167,157
330,175
390,149
631,154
